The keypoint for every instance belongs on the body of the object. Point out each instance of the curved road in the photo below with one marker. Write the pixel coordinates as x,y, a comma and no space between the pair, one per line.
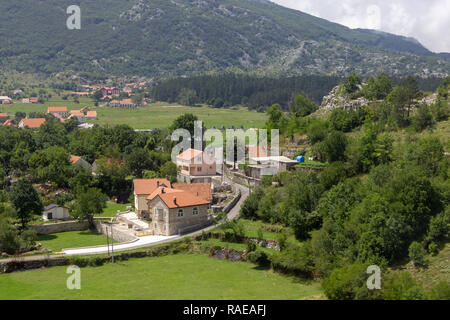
142,241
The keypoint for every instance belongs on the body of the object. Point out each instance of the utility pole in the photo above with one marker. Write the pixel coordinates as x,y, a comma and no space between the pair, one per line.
112,244
107,239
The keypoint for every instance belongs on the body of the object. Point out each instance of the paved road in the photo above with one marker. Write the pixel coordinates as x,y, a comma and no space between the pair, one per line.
142,241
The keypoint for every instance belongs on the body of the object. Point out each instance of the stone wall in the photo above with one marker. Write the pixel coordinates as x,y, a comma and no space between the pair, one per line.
60,227
118,234
233,202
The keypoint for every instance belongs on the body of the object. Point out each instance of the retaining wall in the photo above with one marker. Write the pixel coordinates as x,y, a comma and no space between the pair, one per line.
60,227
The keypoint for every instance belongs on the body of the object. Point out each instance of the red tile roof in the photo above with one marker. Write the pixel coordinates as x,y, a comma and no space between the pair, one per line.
147,186
202,190
77,113
91,114
181,200
189,154
74,159
162,190
33,123
4,115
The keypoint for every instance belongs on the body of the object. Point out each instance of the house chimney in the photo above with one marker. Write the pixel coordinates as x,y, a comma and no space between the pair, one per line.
162,191
175,200
157,184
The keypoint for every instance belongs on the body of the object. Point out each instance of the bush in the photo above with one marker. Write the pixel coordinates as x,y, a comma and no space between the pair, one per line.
260,234
344,283
78,261
96,262
282,239
402,287
259,257
441,291
295,260
417,254
251,245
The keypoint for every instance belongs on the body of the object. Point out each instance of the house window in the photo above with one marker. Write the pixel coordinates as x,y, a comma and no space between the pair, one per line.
195,211
180,213
156,226
164,227
199,169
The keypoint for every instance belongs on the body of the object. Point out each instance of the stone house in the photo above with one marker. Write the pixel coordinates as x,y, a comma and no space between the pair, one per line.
142,189
176,212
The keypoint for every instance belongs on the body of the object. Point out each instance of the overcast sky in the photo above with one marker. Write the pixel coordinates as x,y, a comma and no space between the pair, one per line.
426,20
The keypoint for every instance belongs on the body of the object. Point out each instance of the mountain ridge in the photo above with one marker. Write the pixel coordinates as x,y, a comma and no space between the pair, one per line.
167,38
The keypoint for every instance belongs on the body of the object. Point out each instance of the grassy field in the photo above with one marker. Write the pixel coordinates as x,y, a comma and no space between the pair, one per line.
112,208
71,239
172,277
157,115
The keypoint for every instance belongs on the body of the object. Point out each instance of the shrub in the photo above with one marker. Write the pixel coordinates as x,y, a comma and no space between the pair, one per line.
259,257
251,246
95,262
295,260
402,287
441,291
344,283
282,239
417,254
260,234
78,261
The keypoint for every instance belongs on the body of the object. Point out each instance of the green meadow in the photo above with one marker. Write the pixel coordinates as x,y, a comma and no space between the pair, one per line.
174,277
155,115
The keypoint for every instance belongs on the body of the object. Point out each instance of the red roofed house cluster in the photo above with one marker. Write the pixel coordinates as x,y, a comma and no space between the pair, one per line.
174,209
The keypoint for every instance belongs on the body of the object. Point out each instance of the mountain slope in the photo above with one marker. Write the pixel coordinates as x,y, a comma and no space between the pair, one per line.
182,37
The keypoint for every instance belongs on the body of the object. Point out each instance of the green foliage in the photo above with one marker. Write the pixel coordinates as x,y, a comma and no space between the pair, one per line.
295,260
402,287
88,204
259,257
343,120
302,106
251,246
345,283
186,122
249,209
378,88
169,171
351,83
417,254
26,201
441,291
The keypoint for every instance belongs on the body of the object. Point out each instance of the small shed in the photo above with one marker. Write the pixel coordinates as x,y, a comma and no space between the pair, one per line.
55,212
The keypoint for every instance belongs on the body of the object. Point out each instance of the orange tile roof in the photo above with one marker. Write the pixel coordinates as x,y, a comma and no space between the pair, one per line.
189,154
147,186
77,113
33,123
8,123
162,190
74,159
127,101
57,109
3,115
181,200
202,190
91,114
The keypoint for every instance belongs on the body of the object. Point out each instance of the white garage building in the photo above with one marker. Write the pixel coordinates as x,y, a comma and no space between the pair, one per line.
55,212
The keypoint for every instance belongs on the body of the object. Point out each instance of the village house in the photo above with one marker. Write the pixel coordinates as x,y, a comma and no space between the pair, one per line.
55,212
144,188
196,166
59,112
76,160
18,92
3,117
9,123
77,115
5,100
176,212
91,115
26,100
110,91
34,100
32,123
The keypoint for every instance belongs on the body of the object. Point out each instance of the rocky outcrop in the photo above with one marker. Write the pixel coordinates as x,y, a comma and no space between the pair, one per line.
338,100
